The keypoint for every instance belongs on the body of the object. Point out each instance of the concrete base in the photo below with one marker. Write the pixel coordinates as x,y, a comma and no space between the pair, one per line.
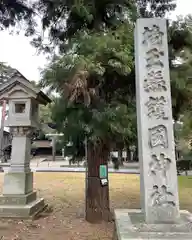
18,183
21,206
130,224
13,199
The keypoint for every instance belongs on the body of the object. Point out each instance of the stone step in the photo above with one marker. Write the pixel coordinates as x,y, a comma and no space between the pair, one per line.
17,199
130,224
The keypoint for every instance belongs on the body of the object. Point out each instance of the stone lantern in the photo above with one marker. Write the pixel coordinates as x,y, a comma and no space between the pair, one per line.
23,98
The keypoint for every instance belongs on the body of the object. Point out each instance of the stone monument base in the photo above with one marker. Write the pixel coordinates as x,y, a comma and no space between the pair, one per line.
130,224
21,206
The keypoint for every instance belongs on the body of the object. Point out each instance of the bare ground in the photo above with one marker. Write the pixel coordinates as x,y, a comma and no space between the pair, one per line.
65,193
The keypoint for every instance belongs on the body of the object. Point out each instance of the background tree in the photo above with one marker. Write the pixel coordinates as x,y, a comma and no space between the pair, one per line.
100,119
180,61
64,19
148,8
14,12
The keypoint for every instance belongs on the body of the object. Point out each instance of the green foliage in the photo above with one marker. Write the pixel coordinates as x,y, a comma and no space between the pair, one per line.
109,59
187,125
184,135
45,115
110,122
155,8
6,72
64,19
15,11
98,53
184,165
180,49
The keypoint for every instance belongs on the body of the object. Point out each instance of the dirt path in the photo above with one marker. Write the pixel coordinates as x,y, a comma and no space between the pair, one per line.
65,192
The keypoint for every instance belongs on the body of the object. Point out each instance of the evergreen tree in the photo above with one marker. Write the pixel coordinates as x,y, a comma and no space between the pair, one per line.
64,19
16,11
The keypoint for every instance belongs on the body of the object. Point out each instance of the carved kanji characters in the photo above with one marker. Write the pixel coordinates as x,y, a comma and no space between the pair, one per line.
159,164
158,136
156,107
161,197
153,58
153,35
154,81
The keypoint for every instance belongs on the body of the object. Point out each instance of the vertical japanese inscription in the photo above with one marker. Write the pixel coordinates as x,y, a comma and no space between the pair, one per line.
153,40
158,178
156,109
154,82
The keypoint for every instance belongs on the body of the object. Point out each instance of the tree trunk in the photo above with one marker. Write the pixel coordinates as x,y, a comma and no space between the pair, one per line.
120,156
135,155
53,148
97,196
128,154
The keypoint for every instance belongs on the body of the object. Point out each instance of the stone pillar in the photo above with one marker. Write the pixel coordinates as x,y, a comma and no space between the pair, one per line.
20,163
158,175
19,199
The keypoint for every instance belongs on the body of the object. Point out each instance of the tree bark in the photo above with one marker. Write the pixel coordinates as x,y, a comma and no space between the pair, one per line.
97,196
53,148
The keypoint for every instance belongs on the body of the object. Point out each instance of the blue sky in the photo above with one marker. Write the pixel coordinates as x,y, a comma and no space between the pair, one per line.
18,53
